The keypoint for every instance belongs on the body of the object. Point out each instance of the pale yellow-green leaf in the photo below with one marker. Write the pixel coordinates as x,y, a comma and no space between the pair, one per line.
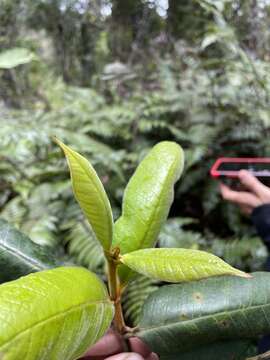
178,265
147,200
53,315
90,194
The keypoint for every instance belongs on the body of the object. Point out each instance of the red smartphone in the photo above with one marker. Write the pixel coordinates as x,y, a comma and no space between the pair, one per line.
227,168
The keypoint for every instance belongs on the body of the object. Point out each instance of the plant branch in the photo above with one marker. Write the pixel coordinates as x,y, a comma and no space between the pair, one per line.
114,290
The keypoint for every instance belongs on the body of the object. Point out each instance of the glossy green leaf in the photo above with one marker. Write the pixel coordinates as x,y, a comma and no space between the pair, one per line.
20,256
147,200
223,350
178,265
90,194
179,318
15,57
53,315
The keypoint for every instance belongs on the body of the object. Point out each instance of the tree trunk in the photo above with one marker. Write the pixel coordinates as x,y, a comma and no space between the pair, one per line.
126,15
186,19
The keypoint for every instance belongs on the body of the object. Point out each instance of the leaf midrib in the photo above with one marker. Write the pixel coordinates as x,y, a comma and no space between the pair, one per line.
102,195
48,319
14,251
153,216
175,324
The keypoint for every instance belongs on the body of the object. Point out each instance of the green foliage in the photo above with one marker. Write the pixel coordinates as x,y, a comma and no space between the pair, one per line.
218,308
134,296
14,57
66,303
205,86
247,253
82,245
224,350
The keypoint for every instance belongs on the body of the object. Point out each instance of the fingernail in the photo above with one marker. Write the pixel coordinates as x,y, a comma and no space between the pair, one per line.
126,356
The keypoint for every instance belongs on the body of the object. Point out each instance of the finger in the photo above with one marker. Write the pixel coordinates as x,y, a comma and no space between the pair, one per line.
239,197
247,210
152,356
126,356
253,184
139,347
223,189
110,344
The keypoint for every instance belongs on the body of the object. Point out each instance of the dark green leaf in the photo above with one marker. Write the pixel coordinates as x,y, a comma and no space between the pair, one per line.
178,318
223,350
20,256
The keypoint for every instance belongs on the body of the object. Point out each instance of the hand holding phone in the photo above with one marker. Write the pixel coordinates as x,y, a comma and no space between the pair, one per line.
252,192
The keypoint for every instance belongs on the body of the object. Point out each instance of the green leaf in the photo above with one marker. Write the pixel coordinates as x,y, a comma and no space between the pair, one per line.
179,318
147,200
90,194
223,350
20,256
178,265
15,57
53,315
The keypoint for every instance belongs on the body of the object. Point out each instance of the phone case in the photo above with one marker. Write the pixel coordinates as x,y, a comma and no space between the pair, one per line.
227,168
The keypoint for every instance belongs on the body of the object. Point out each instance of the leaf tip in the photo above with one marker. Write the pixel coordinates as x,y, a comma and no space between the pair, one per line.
58,142
243,274
64,147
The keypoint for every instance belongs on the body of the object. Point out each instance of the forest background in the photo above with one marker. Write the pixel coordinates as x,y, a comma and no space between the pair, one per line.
111,79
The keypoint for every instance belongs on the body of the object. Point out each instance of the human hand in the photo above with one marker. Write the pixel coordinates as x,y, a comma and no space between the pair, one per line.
112,347
256,193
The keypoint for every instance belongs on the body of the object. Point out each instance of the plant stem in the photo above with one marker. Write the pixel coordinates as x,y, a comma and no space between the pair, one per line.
115,294
112,279
119,318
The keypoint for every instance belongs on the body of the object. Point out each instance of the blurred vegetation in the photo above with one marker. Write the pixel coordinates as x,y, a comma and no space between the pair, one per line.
112,78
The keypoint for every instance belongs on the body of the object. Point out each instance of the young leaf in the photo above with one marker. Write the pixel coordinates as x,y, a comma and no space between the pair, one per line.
178,265
147,200
53,314
20,256
179,318
90,194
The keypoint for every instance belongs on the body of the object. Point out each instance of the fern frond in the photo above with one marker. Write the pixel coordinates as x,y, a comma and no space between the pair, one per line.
14,210
134,297
247,253
83,247
173,235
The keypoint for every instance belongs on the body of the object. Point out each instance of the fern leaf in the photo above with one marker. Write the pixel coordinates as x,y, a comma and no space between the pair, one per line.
134,297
